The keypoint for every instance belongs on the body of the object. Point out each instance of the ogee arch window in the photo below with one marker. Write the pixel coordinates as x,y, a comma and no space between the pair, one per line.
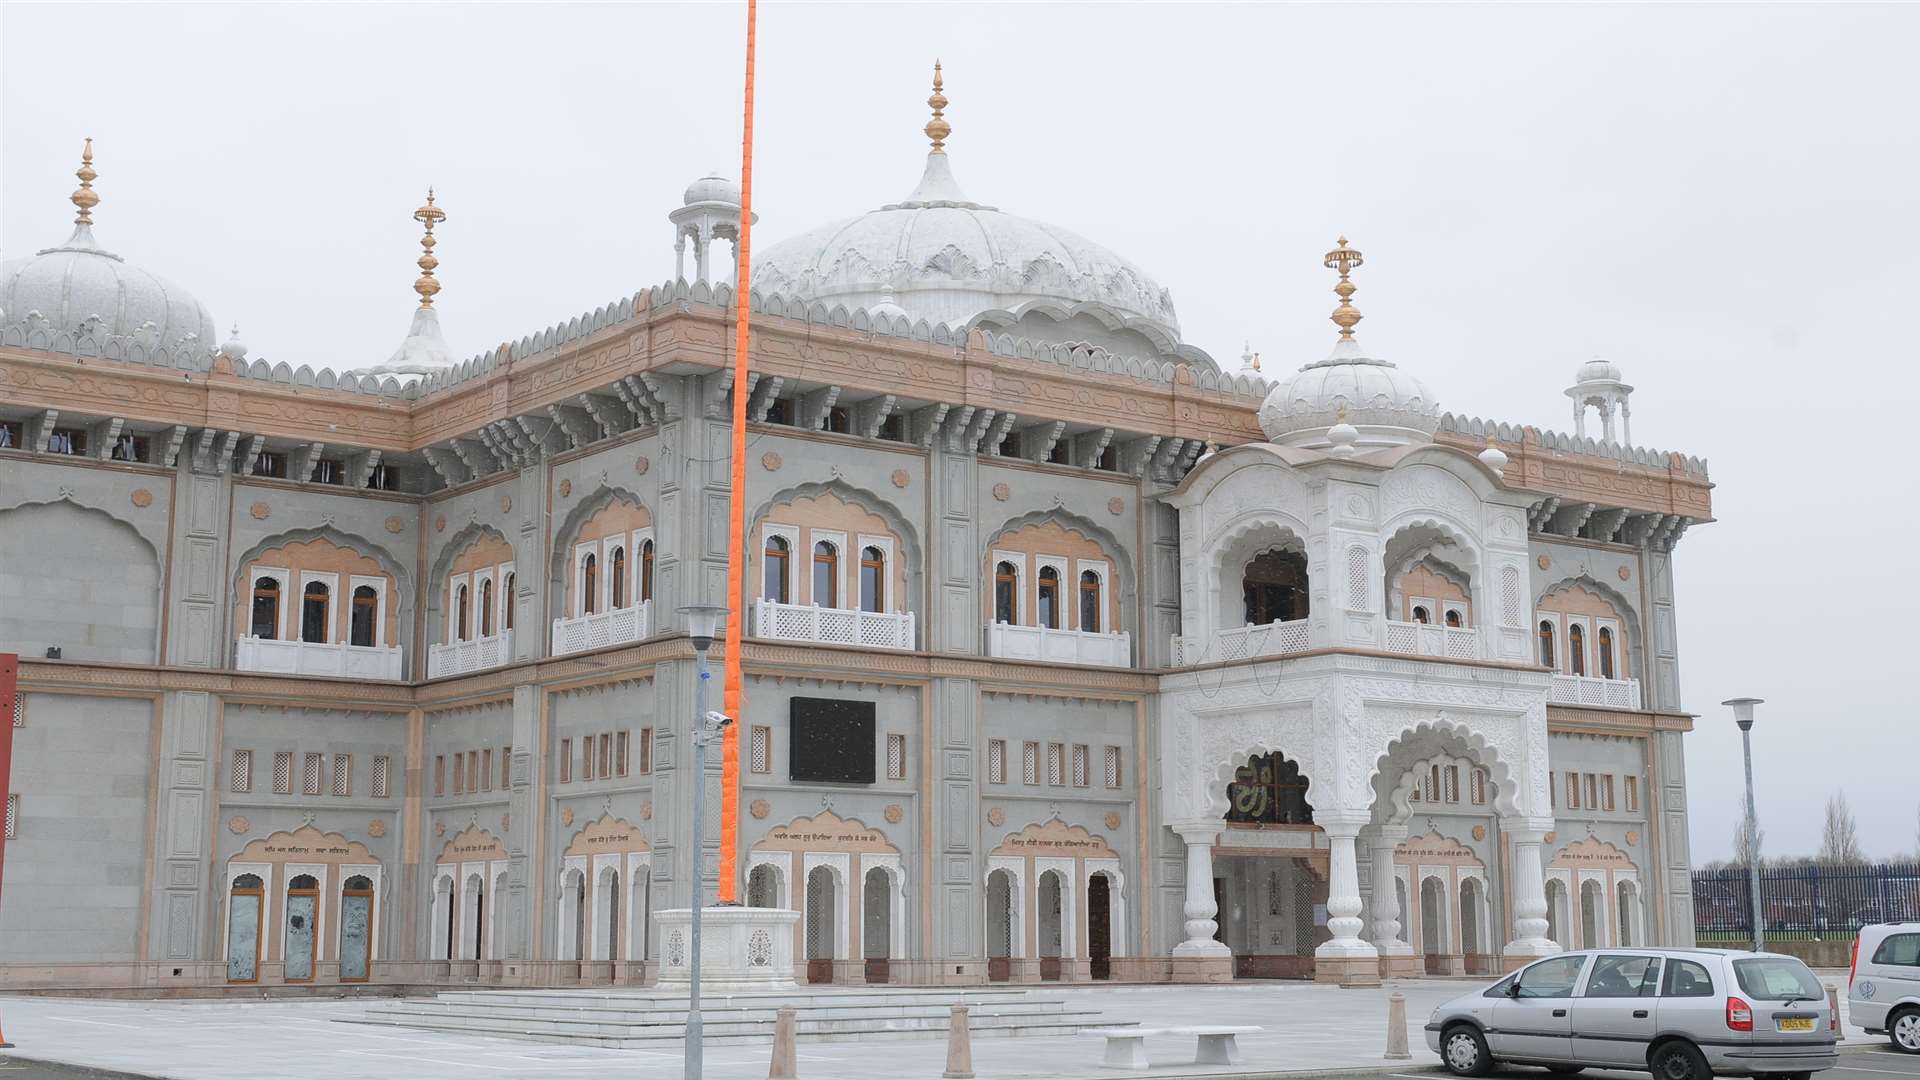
777,558
589,584
1576,650
366,610
646,571
1547,651
314,602
873,580
1089,602
486,608
826,575
1005,582
1049,598
266,608
617,568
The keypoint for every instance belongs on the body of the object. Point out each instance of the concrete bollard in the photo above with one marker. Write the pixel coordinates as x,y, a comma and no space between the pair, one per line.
785,1064
959,1047
1397,1027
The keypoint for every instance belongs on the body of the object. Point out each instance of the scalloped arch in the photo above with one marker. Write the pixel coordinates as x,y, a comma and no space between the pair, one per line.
403,581
570,527
1123,571
1467,743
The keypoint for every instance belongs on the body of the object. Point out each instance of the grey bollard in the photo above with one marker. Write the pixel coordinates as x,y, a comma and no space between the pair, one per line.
1397,1027
784,1065
959,1047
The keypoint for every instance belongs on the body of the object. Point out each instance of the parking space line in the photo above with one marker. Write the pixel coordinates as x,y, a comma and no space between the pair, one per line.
1882,1072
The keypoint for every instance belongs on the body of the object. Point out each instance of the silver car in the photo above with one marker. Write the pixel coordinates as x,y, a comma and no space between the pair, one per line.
1681,1014
1883,989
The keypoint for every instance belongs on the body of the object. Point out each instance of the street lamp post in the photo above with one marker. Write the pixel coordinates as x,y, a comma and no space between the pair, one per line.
703,621
1743,716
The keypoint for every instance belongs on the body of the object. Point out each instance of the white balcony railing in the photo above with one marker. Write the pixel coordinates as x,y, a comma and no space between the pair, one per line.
602,628
461,657
1271,639
1586,690
832,625
1430,639
1059,646
318,658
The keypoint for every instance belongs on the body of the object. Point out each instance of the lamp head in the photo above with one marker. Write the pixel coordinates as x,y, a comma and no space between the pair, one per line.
703,623
1743,710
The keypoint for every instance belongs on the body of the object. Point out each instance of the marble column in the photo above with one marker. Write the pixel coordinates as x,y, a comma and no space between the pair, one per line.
1529,895
1200,958
1396,956
1345,959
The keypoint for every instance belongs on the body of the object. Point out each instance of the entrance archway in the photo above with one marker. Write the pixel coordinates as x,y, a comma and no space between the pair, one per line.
302,930
356,928
1050,925
1099,928
1593,916
820,928
877,925
1557,912
246,903
1474,946
1000,926
1433,925
473,905
763,886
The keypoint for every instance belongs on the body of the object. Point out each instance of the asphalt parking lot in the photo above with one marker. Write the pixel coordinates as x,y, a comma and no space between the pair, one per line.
1873,1062
12,1068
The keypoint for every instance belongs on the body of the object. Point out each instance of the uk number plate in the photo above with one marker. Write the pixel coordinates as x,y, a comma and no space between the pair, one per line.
1796,1023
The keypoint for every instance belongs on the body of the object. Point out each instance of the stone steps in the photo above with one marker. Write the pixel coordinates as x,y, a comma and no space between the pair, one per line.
648,1019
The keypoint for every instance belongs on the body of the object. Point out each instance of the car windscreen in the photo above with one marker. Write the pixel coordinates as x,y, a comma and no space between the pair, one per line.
1777,978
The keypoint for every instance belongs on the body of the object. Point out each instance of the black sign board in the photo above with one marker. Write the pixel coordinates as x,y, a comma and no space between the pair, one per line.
831,740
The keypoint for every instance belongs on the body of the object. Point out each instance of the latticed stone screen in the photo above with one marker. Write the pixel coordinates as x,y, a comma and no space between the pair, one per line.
1357,578
760,750
997,761
1056,764
1080,765
343,774
310,770
381,781
1113,766
240,774
896,757
1030,763
283,772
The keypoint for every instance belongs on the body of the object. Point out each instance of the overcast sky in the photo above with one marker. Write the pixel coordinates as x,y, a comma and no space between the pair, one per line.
1719,198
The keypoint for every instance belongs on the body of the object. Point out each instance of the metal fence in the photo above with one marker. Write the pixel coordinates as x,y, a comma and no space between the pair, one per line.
1805,902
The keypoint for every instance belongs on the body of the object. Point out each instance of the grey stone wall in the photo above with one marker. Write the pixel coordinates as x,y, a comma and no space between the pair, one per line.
77,579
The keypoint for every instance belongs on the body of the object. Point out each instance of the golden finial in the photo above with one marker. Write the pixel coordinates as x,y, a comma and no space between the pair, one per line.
1346,316
83,196
428,215
937,128
1256,361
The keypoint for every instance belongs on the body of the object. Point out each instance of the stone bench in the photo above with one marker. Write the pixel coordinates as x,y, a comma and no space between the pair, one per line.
1127,1046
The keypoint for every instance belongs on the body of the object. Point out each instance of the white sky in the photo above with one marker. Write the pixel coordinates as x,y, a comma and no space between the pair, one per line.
1719,198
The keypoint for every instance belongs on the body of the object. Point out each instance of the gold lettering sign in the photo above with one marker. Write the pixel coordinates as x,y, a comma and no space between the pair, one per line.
607,834
306,844
1056,838
827,831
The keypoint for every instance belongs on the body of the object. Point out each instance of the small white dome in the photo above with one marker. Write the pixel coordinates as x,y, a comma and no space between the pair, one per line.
1598,370
1387,406
422,352
71,284
713,189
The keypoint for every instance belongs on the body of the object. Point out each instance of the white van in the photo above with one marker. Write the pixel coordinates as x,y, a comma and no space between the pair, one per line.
1883,989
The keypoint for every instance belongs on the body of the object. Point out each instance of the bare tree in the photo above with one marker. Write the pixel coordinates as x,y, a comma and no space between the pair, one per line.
1745,852
1839,840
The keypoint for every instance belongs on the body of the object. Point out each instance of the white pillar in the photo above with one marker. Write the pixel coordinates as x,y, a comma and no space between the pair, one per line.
1529,893
1386,898
701,242
1606,421
1343,895
1626,424
680,255
1200,908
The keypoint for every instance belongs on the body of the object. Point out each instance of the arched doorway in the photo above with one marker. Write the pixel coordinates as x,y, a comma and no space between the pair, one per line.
1051,924
573,913
1000,915
1629,916
473,907
443,917
877,925
1099,927
820,928
1473,944
303,940
1433,925
356,928
246,902
1557,911
1271,890
763,886
606,901
640,910
497,924
1593,916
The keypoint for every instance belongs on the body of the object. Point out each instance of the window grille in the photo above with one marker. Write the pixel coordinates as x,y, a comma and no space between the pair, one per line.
1113,766
1477,787
440,775
459,773
586,757
1453,783
381,780
1633,793
486,769
760,753
310,773
566,760
896,757
996,761
240,776
343,774
473,771
13,816
1056,764
1593,797
1553,792
1510,596
606,754
1030,763
1606,791
1573,791
620,753
506,767
1357,579
1430,785
283,772
1080,765
19,710
646,750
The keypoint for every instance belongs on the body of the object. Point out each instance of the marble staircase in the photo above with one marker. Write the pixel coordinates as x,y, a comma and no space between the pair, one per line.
643,1018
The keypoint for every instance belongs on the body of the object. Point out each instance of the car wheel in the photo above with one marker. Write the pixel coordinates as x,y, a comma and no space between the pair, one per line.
1679,1061
1904,1030
1465,1052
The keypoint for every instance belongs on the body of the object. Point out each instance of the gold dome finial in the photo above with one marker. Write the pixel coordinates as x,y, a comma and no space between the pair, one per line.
937,128
429,216
1346,316
84,196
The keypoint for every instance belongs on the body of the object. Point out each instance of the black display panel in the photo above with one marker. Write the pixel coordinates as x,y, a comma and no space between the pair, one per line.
831,741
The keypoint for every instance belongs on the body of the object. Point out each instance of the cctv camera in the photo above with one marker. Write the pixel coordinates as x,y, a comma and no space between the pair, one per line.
719,719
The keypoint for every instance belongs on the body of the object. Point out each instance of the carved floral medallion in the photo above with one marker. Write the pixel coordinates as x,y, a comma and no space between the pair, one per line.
1626,572
771,461
566,815
1002,492
376,828
1112,819
440,523
901,478
996,817
237,824
260,511
566,488
641,465
893,813
1544,562
506,504
1116,505
759,808
396,523
141,498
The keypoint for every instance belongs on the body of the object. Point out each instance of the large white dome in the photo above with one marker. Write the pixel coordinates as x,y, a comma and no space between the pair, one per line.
942,257
1388,406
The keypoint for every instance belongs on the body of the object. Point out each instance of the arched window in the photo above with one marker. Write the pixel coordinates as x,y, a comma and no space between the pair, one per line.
1420,614
1576,650
506,618
244,907
1606,652
1269,790
1049,598
1547,651
1453,617
826,575
589,584
873,580
1005,582
486,608
646,570
617,570
461,616
776,557
1274,587
366,611
303,907
1089,602
266,608
313,612
356,928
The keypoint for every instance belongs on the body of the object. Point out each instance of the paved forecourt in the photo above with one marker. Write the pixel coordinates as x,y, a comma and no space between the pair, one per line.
1305,1028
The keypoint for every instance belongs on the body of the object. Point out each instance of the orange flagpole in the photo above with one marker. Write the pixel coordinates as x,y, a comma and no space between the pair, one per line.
735,695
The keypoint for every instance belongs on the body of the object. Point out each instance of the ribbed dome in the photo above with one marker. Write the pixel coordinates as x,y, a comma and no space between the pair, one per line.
1598,370
1388,406
944,258
712,189
71,284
